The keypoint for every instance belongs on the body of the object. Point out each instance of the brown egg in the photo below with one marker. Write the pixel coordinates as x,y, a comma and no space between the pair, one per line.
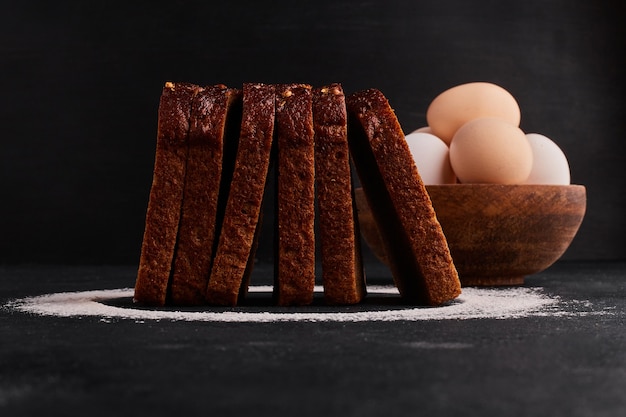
458,105
490,150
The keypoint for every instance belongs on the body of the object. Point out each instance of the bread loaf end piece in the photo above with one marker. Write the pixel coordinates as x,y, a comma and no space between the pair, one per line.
295,206
342,268
166,194
417,249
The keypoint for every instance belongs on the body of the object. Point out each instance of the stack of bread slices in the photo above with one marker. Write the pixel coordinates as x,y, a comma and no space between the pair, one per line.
215,146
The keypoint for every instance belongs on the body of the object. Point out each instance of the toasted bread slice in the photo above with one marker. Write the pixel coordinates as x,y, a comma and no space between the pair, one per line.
234,255
200,221
295,190
166,194
339,237
416,247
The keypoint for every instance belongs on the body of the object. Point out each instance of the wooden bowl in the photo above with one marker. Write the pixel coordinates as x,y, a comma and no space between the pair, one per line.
497,234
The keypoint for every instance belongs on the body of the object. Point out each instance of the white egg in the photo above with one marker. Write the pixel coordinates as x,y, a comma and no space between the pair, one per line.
432,158
550,165
424,129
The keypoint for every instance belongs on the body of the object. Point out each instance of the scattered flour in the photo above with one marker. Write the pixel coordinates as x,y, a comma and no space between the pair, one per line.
474,303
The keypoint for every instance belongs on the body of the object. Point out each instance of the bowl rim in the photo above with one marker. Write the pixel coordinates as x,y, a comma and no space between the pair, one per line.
486,185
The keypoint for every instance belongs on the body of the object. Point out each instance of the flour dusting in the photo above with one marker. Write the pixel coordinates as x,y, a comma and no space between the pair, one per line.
473,303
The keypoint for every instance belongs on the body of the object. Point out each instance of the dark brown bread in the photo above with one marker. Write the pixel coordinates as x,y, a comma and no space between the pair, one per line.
199,218
237,241
417,249
339,237
166,194
295,206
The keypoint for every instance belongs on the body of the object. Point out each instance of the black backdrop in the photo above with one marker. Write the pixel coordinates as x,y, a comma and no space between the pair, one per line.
81,81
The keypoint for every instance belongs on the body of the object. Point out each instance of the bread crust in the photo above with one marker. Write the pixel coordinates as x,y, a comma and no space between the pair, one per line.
189,219
199,219
295,206
166,194
237,241
342,269
417,249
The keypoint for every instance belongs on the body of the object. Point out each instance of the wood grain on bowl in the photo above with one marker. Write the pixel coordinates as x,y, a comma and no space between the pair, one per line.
498,234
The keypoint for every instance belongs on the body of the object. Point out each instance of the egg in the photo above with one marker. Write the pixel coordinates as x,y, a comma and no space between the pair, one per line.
432,158
456,106
425,129
550,165
490,150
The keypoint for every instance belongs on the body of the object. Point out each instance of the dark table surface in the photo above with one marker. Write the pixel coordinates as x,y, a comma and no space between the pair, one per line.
553,366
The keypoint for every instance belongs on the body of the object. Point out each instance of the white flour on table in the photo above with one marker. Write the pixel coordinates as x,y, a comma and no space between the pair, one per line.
473,303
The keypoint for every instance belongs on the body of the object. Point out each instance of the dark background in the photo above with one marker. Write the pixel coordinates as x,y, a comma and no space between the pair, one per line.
81,82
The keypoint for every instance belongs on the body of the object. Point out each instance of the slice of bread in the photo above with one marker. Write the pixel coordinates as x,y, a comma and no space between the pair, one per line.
295,191
166,194
416,247
342,269
199,223
234,255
